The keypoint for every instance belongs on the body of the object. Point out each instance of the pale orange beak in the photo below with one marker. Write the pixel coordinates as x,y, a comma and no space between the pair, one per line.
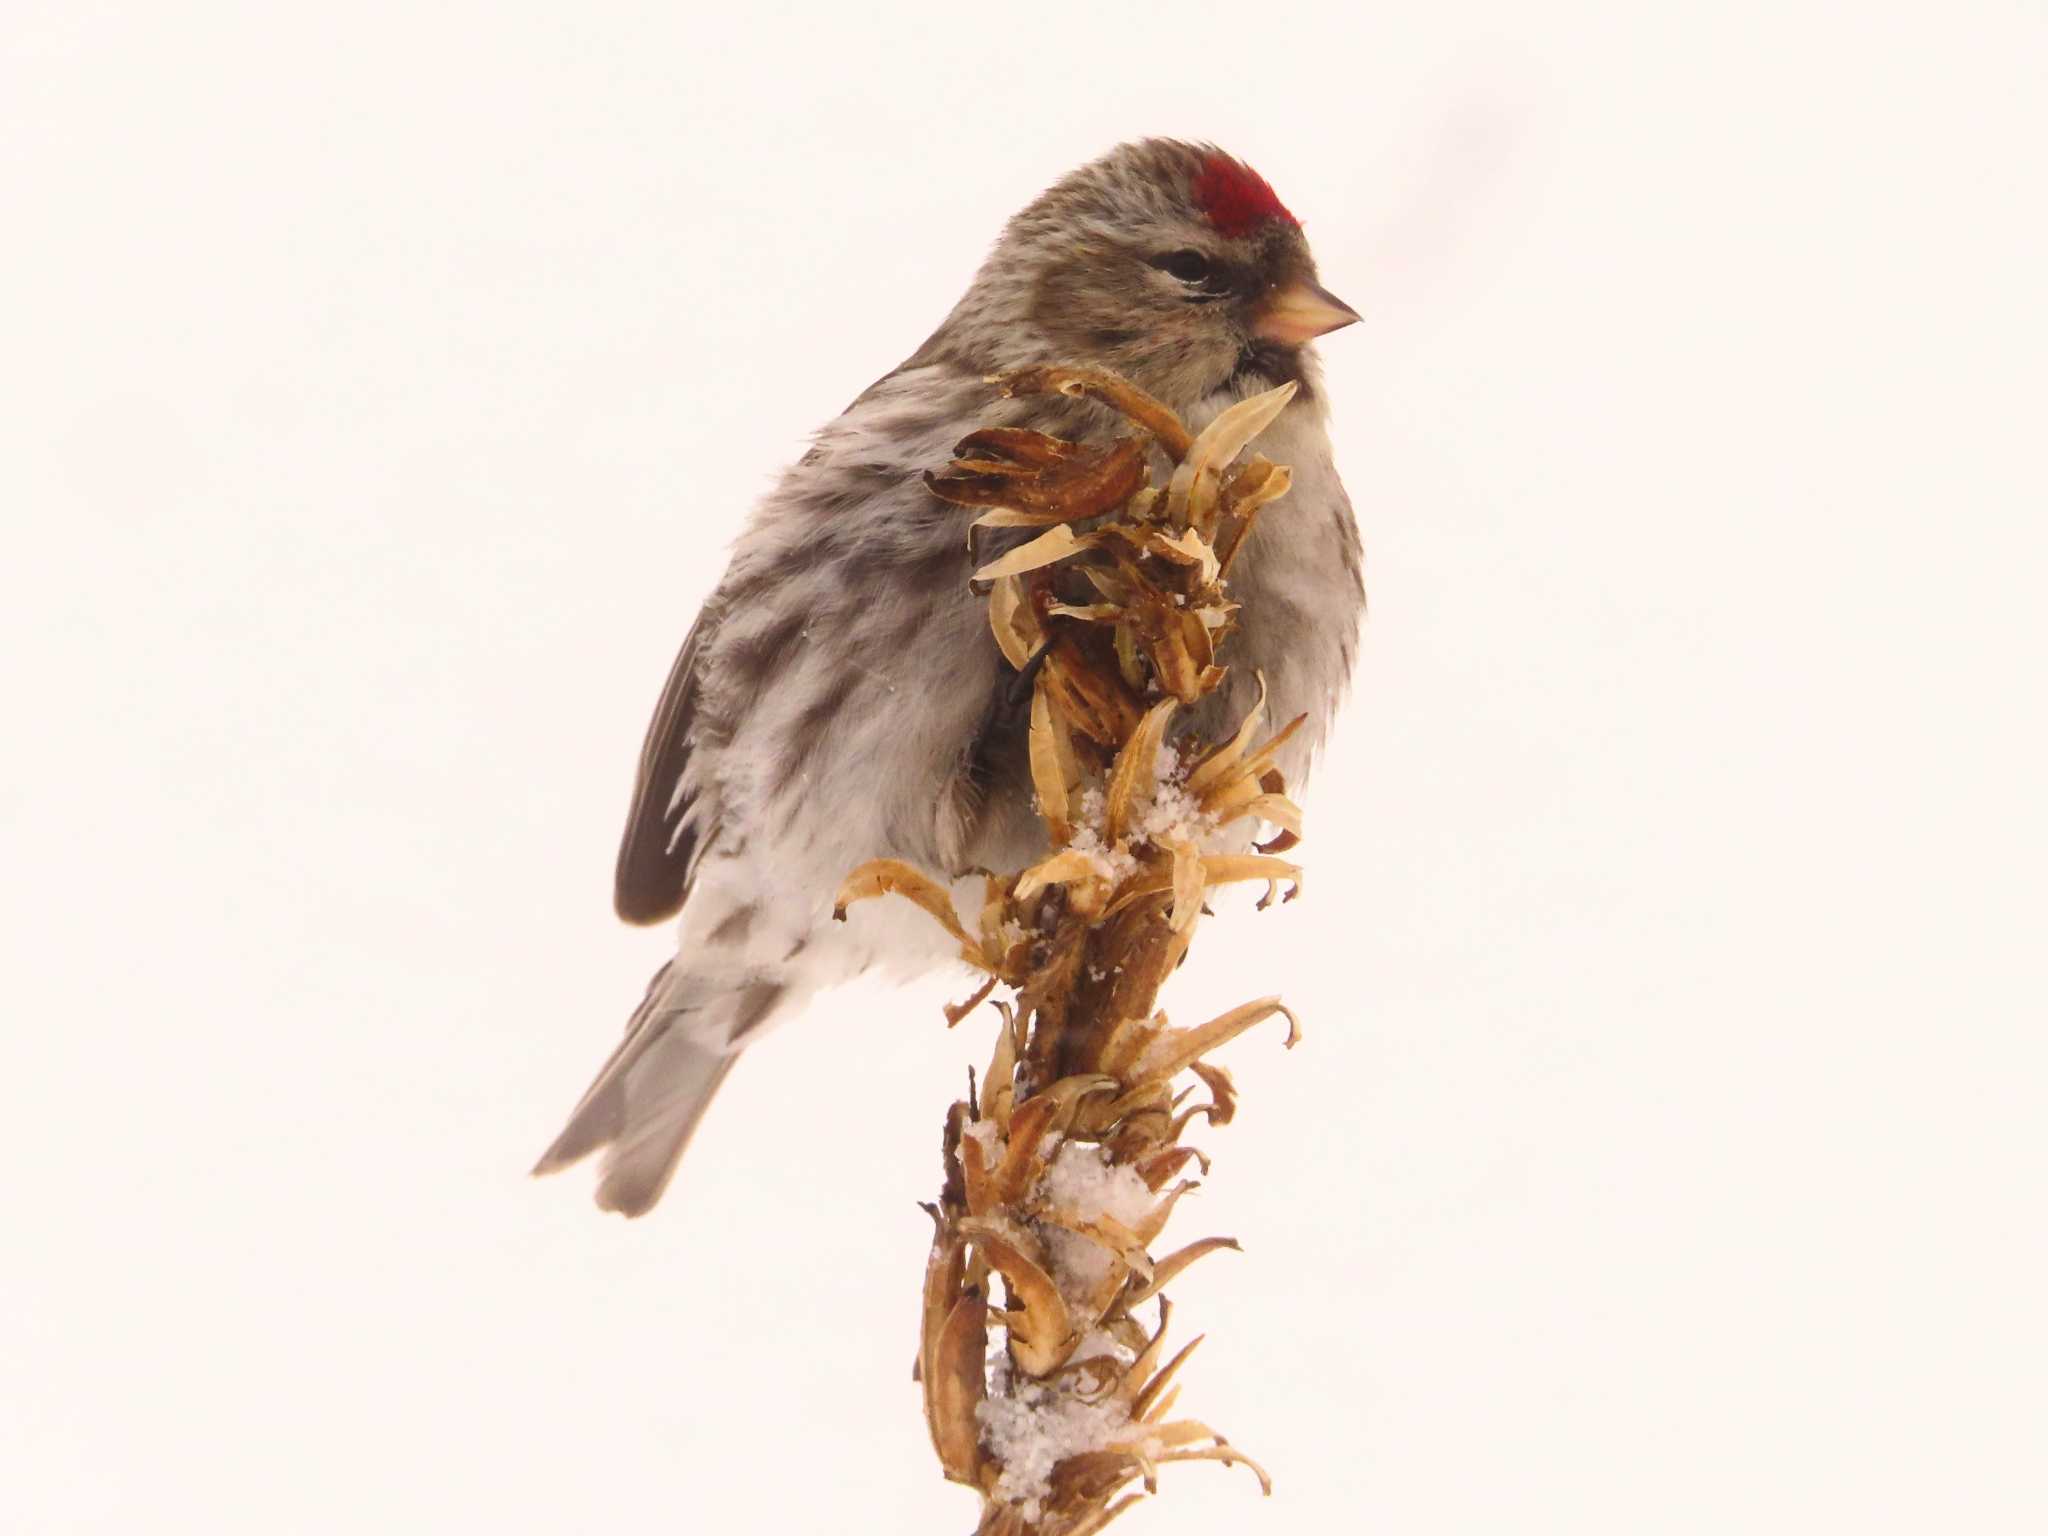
1301,312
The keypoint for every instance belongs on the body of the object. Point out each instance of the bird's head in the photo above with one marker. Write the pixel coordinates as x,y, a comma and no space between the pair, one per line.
1173,264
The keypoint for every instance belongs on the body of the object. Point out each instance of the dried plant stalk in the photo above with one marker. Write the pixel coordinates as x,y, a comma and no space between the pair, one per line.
1062,1170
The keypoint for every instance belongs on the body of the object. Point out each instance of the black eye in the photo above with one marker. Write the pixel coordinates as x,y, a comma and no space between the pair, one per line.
1188,266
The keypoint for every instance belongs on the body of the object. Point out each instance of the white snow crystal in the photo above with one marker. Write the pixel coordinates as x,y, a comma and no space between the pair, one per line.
1174,815
1078,1264
986,1134
1083,1181
1112,861
1098,1342
1035,1427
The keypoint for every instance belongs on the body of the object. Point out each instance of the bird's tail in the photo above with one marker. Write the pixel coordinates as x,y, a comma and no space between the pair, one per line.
647,1099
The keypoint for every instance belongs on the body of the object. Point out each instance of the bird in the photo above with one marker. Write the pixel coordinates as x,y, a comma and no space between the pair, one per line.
840,697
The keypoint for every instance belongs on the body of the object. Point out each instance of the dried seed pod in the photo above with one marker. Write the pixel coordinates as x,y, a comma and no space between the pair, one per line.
1066,1164
1136,766
1041,1334
1111,389
1195,484
1055,771
1017,629
1059,483
1055,544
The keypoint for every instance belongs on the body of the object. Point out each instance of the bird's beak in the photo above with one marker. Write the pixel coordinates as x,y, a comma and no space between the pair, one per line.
1301,312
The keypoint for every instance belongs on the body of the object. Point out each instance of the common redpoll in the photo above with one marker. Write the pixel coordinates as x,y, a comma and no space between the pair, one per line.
807,725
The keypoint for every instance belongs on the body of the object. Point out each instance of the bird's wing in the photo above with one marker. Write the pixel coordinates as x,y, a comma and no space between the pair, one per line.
664,831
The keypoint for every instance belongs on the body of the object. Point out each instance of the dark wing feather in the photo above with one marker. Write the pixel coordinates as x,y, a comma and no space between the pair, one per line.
662,835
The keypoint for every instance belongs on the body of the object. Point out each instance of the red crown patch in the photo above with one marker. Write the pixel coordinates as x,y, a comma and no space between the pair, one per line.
1235,198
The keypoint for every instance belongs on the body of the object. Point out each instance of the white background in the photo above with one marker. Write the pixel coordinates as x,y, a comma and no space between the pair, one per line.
379,386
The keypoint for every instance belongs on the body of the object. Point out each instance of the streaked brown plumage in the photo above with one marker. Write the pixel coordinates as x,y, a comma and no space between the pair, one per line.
798,735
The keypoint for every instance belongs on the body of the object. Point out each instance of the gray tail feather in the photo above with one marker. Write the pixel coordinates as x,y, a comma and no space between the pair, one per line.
647,1099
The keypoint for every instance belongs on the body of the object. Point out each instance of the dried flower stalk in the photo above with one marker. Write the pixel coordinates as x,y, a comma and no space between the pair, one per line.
1062,1170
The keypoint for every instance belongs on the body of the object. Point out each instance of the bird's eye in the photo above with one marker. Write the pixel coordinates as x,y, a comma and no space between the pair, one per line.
1188,266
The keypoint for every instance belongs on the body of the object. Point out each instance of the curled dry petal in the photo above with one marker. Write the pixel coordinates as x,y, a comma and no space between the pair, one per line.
1078,1483
1055,772
1089,613
1137,888
1136,767
1018,445
1172,1052
1277,809
1280,842
1160,636
1193,489
1093,705
1198,639
1228,800
1126,1040
1115,585
1068,1092
1108,1233
1055,544
1040,1118
1188,1430
1017,630
955,1012
999,1093
1084,482
1212,769
1110,389
1190,880
943,1271
1041,1335
1126,1330
954,1384
1022,1160
1243,509
1080,872
1253,483
1147,1362
1010,517
1156,1168
1166,1269
1222,1105
1275,785
954,1190
1187,548
1164,1406
1101,1373
881,877
1101,480
1155,1221
1130,666
1261,760
1150,1395
1229,868
1235,788
1134,1120
976,1191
